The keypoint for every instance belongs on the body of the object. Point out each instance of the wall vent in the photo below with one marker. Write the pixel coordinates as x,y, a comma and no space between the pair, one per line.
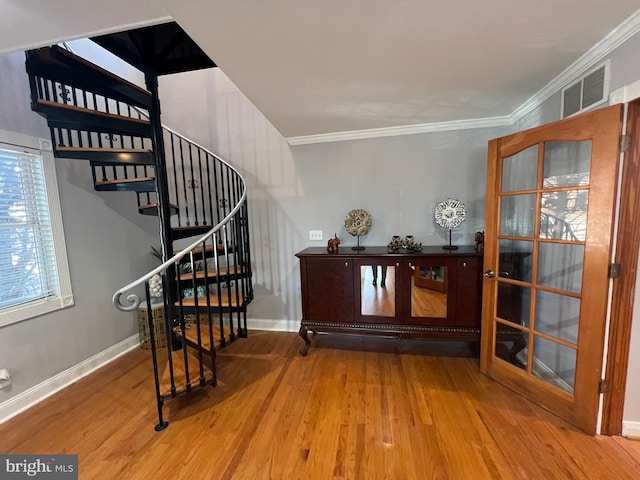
588,92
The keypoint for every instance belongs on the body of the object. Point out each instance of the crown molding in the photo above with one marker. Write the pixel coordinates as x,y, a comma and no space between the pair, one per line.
595,55
403,130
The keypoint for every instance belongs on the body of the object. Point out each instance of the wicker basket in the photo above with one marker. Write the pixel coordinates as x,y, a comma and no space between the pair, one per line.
157,313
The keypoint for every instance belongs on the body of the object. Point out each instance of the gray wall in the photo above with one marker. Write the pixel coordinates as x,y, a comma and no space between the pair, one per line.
107,245
398,180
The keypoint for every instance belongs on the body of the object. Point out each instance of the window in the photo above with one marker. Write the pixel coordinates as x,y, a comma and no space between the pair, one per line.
34,274
588,92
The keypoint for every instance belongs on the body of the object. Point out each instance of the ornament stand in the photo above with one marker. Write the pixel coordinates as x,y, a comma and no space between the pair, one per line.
358,247
450,247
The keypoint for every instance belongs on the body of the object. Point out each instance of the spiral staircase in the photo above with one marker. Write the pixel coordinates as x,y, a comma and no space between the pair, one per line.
114,125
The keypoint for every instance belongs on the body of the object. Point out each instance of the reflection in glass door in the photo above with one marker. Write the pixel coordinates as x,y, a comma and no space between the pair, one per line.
378,290
429,286
541,250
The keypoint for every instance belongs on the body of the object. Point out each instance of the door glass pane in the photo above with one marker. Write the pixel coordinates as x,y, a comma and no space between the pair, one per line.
554,363
514,303
566,163
515,260
517,213
511,345
563,214
519,171
377,288
560,266
429,291
557,315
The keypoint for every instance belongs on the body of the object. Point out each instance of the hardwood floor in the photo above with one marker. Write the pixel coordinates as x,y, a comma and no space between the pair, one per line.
355,408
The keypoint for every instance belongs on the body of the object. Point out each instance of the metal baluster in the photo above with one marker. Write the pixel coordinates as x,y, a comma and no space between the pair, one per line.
193,190
216,261
161,423
175,173
47,84
209,196
217,189
184,184
201,187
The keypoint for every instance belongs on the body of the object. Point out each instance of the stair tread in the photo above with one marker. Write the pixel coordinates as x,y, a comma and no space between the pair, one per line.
213,301
63,148
106,157
209,249
58,64
124,180
97,113
152,208
191,231
179,373
192,227
191,335
211,273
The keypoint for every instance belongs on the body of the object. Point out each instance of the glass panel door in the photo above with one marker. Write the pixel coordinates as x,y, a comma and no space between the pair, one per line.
545,291
541,252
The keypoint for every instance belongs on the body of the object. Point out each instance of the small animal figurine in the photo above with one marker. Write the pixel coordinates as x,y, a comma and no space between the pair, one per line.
479,245
332,244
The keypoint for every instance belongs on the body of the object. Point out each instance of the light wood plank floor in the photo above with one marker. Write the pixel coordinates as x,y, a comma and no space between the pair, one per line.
355,408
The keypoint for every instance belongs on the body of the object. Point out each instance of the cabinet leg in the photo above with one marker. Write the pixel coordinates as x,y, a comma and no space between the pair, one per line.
307,343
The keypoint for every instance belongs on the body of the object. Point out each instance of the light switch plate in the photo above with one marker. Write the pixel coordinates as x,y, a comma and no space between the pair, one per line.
315,234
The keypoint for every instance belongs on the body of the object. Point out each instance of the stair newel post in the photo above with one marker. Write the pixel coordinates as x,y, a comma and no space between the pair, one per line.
162,188
162,424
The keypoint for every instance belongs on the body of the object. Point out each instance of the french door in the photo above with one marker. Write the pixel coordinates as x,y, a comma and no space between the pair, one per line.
551,194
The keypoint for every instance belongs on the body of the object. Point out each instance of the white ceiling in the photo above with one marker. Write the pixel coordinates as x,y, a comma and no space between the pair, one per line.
316,67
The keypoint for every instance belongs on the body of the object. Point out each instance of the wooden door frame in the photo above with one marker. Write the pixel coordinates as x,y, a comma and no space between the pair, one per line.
624,287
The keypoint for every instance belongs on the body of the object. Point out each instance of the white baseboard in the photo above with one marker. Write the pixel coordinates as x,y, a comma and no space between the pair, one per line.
272,324
630,429
28,398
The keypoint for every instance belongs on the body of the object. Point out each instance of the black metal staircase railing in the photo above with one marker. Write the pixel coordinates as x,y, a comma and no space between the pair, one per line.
204,289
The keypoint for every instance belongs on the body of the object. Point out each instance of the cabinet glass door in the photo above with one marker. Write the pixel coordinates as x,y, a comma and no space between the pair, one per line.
377,289
429,291
430,283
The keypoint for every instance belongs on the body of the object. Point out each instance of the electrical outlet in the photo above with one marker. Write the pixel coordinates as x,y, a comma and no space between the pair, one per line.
5,377
315,234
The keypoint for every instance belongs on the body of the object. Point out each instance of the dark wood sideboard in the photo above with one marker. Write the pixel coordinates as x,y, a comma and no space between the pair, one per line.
430,294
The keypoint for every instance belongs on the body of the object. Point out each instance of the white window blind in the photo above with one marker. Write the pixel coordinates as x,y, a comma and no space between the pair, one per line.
34,275
27,258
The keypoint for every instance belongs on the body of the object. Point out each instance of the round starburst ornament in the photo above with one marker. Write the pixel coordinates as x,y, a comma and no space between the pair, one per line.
450,214
358,222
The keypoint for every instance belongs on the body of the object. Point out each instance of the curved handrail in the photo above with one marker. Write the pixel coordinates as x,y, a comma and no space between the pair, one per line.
133,299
